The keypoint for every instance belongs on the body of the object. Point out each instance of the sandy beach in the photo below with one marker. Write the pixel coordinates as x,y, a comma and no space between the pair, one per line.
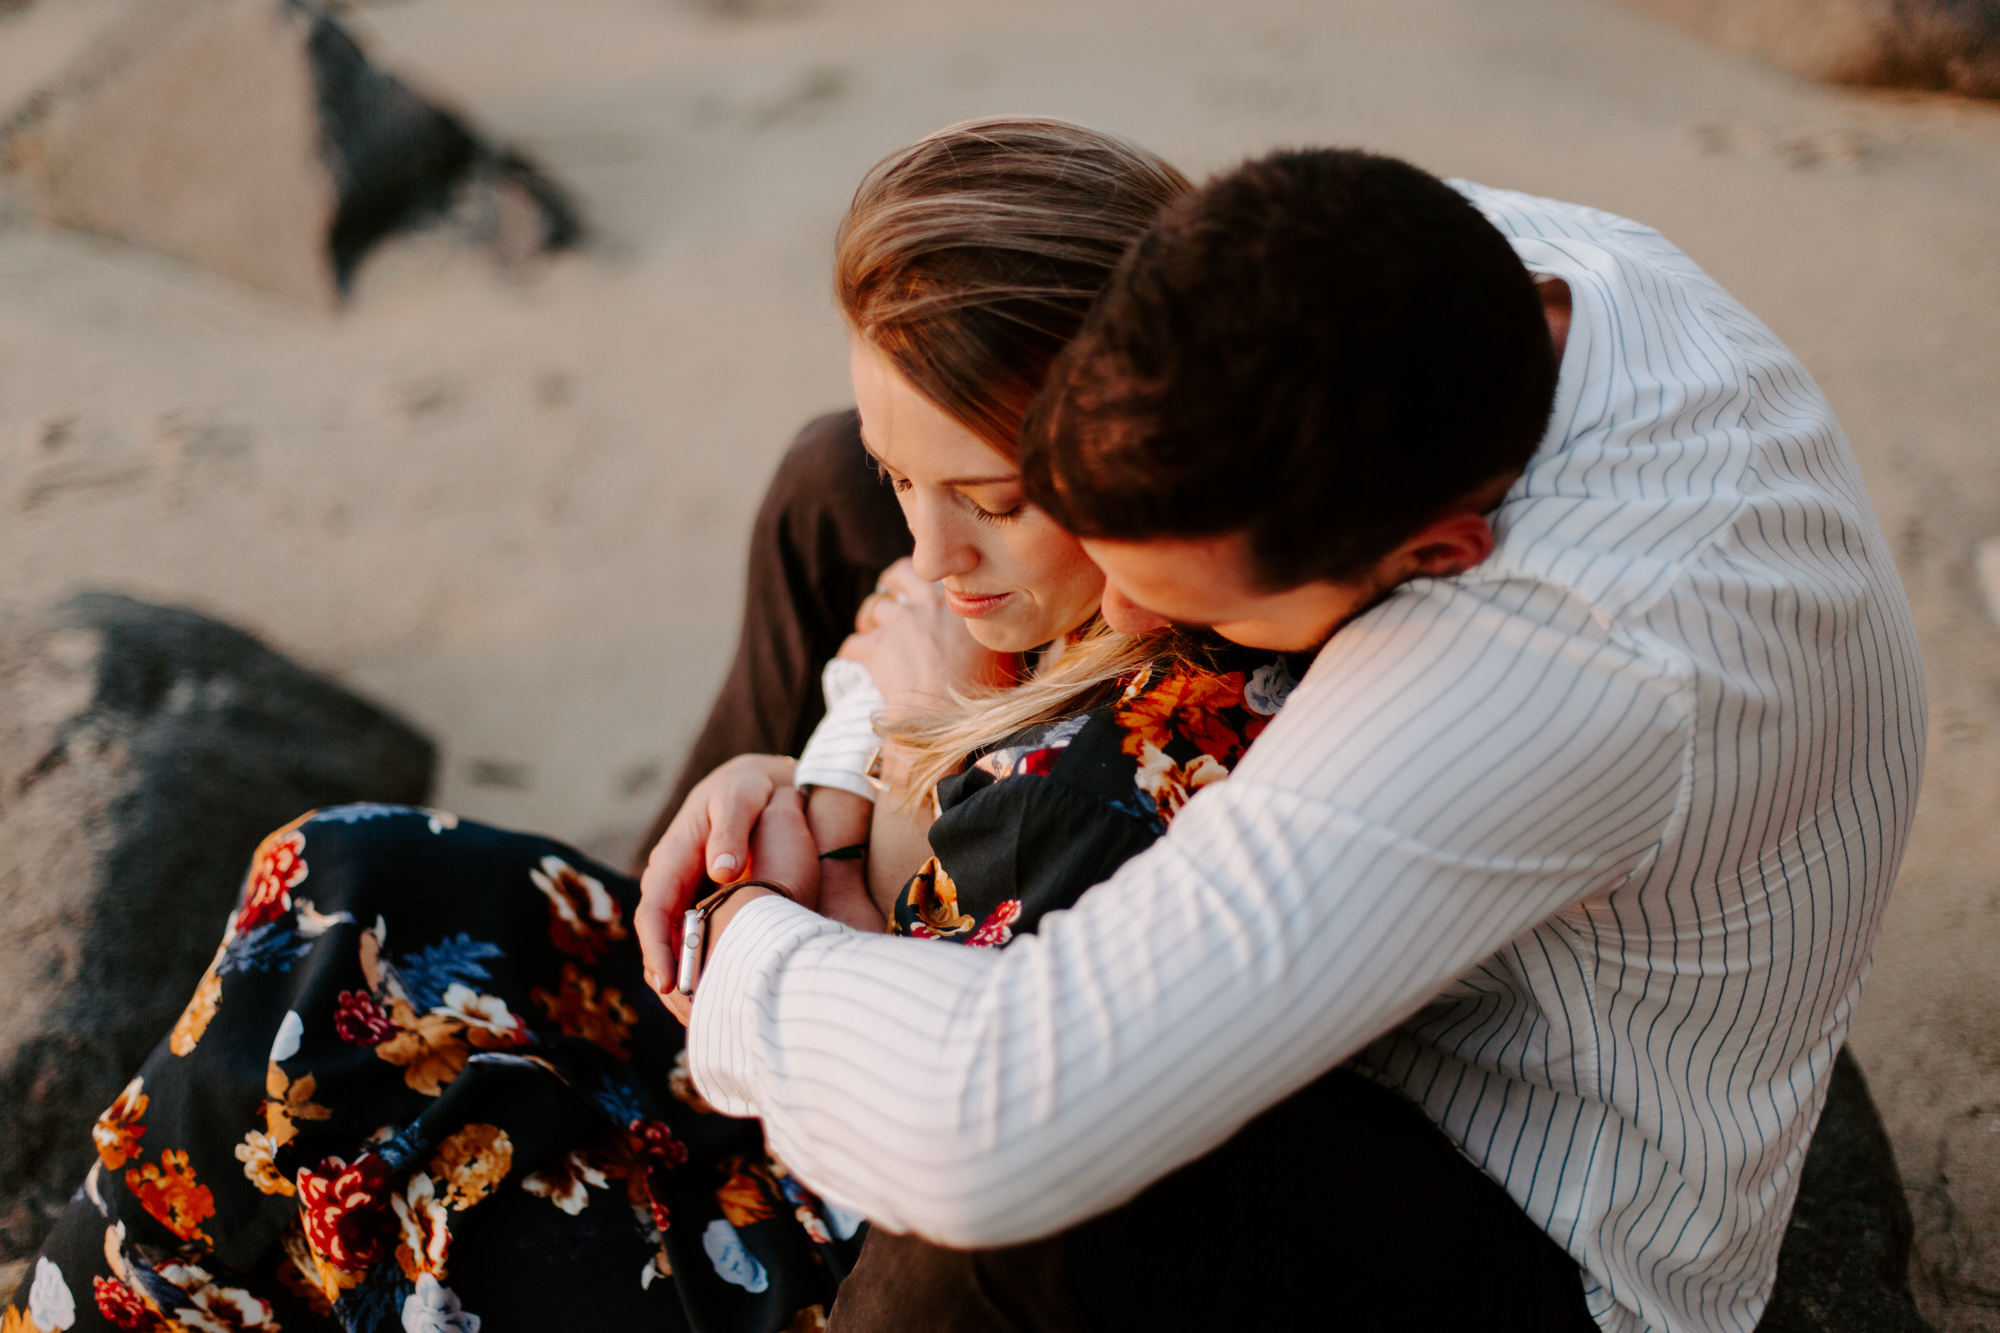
514,508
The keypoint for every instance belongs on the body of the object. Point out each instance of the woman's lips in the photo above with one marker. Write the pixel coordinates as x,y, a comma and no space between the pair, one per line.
972,608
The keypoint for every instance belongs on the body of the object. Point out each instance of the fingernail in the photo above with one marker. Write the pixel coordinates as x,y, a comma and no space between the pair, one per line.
724,864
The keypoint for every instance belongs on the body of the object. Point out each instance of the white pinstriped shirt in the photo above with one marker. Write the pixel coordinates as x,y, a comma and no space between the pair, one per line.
1585,851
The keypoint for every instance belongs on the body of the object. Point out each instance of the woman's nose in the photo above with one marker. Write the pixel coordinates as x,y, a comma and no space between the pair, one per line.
942,547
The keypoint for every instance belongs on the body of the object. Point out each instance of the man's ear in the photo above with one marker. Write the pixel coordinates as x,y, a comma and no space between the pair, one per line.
1445,546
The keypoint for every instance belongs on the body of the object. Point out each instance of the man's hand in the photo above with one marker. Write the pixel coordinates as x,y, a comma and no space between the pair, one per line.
713,838
916,649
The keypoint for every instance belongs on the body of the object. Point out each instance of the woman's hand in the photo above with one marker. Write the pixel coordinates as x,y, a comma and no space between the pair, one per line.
917,650
720,836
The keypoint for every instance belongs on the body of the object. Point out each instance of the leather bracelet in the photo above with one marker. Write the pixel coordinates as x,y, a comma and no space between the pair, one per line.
694,928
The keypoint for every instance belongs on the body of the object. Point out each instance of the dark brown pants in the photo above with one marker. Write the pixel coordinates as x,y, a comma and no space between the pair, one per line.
1343,1207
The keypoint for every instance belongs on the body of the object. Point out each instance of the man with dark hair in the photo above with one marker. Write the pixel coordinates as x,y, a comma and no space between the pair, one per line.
1419,372
1577,834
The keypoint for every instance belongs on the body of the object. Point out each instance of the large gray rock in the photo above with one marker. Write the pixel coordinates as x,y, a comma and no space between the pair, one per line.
1949,45
254,137
1845,1263
144,752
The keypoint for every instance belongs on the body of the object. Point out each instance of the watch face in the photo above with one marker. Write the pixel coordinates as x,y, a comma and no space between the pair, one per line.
694,927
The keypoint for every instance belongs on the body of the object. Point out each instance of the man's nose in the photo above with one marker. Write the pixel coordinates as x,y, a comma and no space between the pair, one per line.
1127,616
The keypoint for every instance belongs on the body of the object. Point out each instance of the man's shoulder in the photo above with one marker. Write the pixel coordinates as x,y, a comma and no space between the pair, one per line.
1625,264
1520,216
1680,422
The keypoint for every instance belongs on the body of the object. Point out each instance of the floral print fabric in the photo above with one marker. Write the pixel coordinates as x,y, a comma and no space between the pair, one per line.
422,1088
1038,819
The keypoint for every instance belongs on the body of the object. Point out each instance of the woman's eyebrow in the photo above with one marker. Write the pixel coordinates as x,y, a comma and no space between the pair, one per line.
1006,478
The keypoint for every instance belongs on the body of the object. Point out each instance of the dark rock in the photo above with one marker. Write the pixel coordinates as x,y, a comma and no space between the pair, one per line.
402,163
1946,45
1957,1205
1844,1266
256,138
144,752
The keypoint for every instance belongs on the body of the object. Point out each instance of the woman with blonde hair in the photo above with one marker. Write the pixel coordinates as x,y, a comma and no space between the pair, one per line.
423,1085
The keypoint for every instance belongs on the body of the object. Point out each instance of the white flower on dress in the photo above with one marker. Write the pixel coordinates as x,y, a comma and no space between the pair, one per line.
733,1263
1171,784
216,1308
259,1152
426,1229
486,1014
567,1185
434,1308
1270,685
49,1302
314,923
286,1044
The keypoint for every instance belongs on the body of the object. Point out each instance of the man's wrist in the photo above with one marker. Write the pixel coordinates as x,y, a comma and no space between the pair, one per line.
723,915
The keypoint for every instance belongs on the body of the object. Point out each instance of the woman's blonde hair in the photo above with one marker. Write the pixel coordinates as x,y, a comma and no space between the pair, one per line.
1090,672
969,260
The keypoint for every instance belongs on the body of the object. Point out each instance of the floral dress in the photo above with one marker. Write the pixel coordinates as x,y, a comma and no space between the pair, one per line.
1056,808
423,1088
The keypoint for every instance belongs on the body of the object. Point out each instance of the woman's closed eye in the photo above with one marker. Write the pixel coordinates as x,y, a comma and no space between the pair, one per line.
984,515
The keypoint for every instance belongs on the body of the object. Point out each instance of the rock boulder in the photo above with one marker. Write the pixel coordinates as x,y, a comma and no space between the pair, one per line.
256,138
144,752
1844,1266
1948,45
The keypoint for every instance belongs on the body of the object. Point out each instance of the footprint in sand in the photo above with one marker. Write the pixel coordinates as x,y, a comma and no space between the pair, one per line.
1800,148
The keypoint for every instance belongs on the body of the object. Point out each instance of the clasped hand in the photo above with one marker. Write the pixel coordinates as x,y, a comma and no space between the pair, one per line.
747,820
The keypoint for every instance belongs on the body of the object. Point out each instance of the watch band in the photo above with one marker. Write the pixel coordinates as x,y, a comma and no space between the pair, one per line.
694,928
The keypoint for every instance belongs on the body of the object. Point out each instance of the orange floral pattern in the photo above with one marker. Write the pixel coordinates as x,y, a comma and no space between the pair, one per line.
285,1102
934,895
471,1164
1188,704
1177,726
428,1046
278,867
745,1195
118,1131
194,1019
172,1195
583,1009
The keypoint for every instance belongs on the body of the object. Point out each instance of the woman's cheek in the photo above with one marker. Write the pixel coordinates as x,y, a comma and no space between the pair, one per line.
1070,581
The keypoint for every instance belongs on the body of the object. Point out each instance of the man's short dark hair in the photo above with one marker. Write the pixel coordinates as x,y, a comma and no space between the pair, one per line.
1321,349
